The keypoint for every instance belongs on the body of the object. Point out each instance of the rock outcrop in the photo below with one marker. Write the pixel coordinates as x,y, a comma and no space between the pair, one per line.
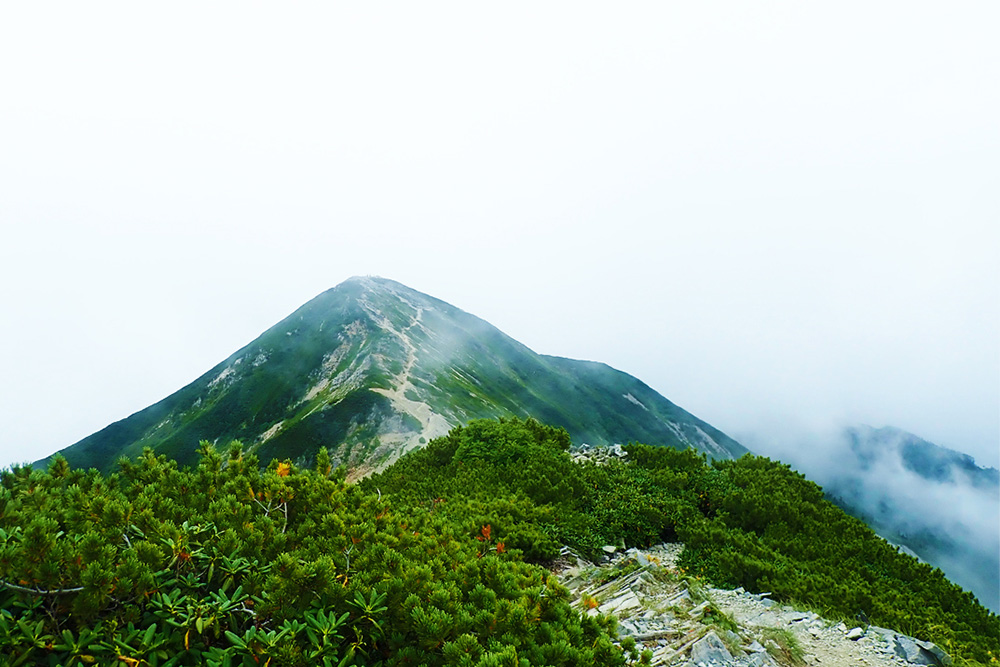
682,621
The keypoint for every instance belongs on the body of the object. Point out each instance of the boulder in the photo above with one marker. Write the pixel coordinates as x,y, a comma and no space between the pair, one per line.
943,658
918,652
908,649
627,628
855,634
640,558
710,649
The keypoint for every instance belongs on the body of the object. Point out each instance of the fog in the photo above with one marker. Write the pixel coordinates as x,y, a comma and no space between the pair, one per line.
762,213
952,521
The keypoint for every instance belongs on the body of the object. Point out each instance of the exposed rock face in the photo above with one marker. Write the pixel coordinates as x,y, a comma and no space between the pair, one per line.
684,623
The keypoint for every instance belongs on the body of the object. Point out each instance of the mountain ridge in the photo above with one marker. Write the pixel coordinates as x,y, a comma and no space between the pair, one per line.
930,461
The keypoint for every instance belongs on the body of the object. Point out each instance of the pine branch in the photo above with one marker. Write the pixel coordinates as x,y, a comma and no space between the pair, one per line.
40,591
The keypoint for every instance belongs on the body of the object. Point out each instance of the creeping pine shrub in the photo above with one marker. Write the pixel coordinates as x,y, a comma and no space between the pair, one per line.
720,619
228,564
751,522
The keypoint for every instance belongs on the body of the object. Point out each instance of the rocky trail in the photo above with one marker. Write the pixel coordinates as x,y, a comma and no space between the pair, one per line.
432,424
682,622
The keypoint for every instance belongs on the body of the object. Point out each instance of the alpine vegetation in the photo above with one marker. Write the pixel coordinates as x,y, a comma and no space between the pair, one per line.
441,559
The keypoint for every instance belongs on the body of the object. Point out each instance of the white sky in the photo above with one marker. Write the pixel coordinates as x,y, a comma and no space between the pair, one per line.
773,214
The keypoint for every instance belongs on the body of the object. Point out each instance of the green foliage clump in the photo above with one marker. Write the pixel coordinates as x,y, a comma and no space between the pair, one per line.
230,564
783,646
518,476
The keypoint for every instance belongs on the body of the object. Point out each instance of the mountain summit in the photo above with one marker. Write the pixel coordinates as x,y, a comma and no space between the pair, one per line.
371,369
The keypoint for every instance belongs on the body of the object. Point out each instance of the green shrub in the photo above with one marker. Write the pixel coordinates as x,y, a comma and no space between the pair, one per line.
430,562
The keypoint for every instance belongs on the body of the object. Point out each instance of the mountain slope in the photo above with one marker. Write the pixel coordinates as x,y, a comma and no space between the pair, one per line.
933,501
371,369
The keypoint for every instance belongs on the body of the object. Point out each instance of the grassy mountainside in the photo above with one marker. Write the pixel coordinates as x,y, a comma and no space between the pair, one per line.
373,369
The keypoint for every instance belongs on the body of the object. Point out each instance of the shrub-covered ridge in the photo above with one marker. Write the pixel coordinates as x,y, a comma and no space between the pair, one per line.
433,562
228,564
751,522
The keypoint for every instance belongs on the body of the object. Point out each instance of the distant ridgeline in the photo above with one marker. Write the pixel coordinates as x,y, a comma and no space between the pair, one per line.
935,501
373,369
871,446
436,560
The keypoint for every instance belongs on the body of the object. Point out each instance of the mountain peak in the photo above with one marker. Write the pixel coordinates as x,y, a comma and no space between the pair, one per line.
370,282
371,369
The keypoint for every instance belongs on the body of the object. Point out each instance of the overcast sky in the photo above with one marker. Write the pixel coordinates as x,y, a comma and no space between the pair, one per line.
778,215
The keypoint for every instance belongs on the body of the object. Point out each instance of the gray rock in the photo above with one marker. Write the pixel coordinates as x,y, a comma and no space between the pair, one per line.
918,652
626,628
710,649
795,616
733,638
683,595
908,650
758,659
855,634
885,633
640,558
609,549
628,600
755,647
935,650
698,611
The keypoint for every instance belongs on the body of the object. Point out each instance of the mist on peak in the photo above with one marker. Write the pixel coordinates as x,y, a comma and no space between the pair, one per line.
372,369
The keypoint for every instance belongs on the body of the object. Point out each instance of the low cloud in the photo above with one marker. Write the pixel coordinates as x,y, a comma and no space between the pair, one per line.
927,498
